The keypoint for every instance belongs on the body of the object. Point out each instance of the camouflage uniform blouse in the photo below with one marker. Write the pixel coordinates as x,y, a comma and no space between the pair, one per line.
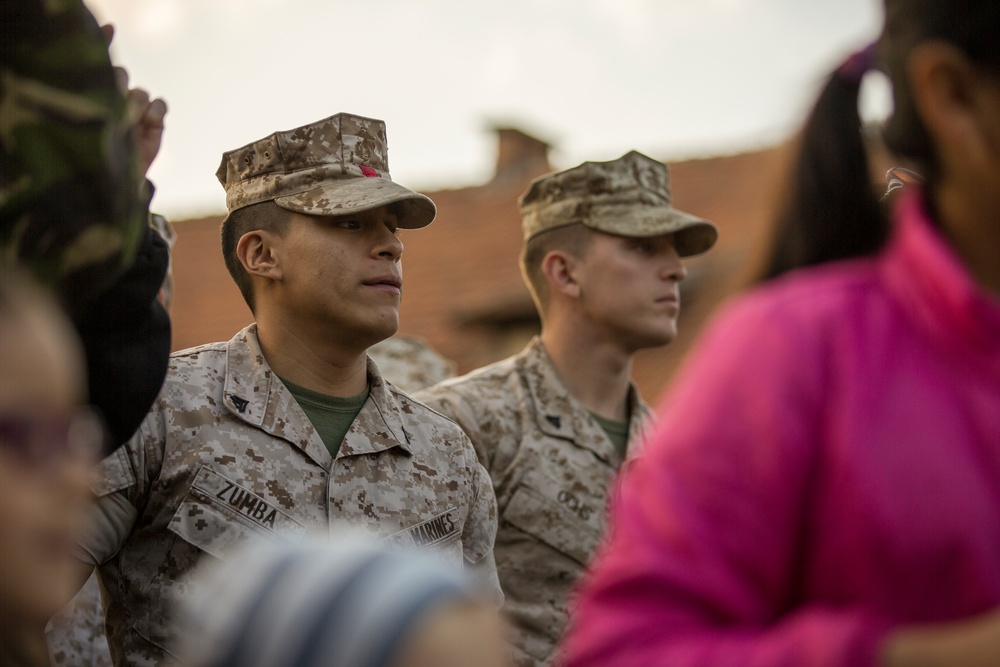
226,456
551,465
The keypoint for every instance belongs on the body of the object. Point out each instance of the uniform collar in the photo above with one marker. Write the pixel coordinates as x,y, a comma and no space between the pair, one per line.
379,425
558,414
255,395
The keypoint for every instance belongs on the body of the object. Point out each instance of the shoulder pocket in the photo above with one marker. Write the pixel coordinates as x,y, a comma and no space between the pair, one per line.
552,522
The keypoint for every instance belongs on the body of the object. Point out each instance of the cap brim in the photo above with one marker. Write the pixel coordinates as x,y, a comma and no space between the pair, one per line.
354,195
692,235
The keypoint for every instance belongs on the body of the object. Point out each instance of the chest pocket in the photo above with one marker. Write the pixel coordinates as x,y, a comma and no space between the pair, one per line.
563,520
218,515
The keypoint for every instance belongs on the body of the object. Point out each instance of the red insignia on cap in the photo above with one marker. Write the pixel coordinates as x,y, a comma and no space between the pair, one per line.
369,172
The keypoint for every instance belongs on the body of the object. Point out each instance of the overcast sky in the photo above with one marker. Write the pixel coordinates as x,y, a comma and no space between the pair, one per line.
596,78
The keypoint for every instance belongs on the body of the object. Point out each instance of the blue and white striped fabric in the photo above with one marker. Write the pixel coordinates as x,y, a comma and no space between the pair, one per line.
349,603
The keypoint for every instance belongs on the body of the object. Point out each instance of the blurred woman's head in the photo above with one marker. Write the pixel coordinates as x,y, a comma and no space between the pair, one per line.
47,444
943,61
932,50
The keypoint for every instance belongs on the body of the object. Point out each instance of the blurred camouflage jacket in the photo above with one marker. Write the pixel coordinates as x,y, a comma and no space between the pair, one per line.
410,363
76,634
69,205
552,465
227,457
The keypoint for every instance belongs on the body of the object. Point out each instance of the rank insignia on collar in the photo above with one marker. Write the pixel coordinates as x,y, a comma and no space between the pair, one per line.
240,403
554,420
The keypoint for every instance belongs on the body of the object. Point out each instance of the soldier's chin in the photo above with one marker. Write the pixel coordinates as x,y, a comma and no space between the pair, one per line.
383,329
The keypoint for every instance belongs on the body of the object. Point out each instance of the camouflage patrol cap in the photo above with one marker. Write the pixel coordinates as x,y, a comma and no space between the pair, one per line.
334,166
629,196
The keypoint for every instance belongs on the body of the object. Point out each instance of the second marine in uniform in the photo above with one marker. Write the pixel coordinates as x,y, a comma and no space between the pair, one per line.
602,258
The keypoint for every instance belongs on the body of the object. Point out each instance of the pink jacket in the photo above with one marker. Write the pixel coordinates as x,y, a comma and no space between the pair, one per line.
827,467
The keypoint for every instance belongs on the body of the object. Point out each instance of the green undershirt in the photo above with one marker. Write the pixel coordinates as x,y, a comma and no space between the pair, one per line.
331,416
616,431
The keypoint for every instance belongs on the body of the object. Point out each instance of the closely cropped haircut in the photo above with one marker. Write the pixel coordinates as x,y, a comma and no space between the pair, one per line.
264,216
832,210
573,239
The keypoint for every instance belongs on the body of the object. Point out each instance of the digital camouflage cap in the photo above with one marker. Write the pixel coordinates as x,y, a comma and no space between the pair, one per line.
629,196
334,166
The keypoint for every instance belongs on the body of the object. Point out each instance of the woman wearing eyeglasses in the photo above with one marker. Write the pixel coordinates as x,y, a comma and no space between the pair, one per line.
47,445
823,487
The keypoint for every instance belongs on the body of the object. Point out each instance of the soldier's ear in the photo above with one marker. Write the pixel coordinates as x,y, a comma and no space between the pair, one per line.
559,269
259,252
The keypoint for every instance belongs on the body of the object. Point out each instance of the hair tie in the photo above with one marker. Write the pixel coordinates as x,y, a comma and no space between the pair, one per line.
898,178
857,65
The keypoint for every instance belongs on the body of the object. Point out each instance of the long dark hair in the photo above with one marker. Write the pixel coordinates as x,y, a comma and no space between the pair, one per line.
832,211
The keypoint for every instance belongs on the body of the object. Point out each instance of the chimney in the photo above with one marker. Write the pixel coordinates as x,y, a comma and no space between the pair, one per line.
520,157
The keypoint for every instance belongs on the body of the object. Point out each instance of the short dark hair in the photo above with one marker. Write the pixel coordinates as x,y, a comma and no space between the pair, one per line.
573,239
263,216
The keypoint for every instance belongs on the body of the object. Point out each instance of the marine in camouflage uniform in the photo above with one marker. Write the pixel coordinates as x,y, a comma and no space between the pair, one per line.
551,465
228,455
551,454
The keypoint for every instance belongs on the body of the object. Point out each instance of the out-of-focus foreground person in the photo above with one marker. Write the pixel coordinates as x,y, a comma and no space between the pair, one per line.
75,143
47,445
351,602
822,488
